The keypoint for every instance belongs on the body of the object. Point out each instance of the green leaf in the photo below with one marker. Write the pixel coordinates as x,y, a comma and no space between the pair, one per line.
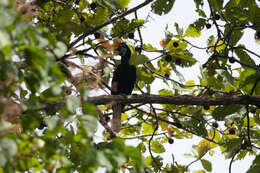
255,167
157,147
3,159
90,124
72,103
138,59
221,112
89,109
254,14
8,149
216,4
190,83
5,39
235,37
192,32
226,76
162,7
7,17
257,89
244,57
206,165
60,50
123,3
166,92
147,128
52,94
247,80
52,121
149,47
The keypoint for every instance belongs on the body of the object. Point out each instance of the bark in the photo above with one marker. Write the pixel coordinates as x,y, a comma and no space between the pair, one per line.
177,100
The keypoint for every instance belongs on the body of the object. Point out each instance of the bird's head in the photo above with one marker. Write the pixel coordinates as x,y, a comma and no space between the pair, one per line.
124,52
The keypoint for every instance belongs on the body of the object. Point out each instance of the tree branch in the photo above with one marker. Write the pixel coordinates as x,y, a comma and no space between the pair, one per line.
177,100
109,22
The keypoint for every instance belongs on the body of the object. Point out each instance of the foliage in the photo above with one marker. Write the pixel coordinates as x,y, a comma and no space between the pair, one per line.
55,53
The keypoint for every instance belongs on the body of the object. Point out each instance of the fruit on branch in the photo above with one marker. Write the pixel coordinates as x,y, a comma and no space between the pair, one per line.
170,141
178,61
177,124
168,58
231,60
208,25
232,131
82,18
175,44
167,75
217,17
93,6
215,125
206,107
131,35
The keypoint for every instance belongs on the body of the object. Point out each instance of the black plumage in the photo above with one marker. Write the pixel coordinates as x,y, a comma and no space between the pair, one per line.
122,83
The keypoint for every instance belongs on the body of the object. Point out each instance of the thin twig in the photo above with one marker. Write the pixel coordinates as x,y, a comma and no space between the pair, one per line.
108,22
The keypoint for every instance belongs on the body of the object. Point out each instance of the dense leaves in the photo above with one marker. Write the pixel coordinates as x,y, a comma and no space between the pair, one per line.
56,54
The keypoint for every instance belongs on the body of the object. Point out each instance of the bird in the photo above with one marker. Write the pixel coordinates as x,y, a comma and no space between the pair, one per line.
123,81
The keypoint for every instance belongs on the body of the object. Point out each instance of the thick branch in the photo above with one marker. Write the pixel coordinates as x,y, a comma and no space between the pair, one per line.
177,100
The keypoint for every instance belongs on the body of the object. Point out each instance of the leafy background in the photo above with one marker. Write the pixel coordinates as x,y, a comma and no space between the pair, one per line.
54,54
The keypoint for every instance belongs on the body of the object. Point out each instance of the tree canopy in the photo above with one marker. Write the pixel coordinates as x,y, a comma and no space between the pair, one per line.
57,55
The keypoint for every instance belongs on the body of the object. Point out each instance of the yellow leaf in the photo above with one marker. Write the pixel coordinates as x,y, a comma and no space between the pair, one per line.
190,83
220,46
124,117
203,147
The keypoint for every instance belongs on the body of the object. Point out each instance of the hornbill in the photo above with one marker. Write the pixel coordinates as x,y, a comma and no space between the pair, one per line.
122,83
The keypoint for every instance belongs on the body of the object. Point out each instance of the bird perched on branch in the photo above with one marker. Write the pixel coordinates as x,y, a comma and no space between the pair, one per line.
122,83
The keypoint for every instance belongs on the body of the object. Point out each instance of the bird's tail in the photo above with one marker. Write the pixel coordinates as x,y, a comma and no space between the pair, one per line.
116,119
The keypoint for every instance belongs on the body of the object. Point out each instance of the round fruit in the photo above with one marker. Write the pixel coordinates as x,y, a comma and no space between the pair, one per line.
167,75
232,131
232,60
131,35
178,125
168,58
97,35
206,107
138,49
208,25
175,44
178,61
82,19
77,2
215,125
217,16
171,141
93,6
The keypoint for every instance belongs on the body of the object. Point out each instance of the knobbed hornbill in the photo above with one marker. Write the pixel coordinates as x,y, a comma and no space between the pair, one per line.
122,83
